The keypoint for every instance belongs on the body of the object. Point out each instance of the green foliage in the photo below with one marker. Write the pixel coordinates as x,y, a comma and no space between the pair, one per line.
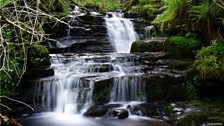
210,61
99,5
55,6
188,41
9,77
146,9
200,12
191,88
171,10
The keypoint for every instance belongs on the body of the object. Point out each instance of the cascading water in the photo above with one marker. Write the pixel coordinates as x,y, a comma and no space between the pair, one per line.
127,89
148,31
121,32
71,89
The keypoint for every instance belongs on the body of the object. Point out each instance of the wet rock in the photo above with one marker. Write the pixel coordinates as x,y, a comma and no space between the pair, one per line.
161,87
101,110
96,110
90,19
102,89
101,68
149,58
40,72
121,113
144,109
155,110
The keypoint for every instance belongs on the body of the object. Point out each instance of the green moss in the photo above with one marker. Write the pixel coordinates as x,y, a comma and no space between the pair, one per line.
140,46
196,118
38,56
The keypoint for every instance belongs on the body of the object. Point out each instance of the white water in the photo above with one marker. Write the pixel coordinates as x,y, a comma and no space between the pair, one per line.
148,31
121,32
71,89
127,89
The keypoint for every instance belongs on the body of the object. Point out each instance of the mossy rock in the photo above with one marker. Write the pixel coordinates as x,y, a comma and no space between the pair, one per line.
195,118
147,46
140,46
38,56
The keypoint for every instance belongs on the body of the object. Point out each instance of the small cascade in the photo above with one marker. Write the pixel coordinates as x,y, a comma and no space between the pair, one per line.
72,22
127,89
72,90
148,31
67,95
120,31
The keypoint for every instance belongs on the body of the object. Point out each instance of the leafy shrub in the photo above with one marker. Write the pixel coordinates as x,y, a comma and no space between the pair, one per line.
184,42
191,88
210,61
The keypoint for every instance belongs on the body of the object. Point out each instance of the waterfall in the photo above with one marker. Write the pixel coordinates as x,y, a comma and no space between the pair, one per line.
66,95
71,89
127,89
121,32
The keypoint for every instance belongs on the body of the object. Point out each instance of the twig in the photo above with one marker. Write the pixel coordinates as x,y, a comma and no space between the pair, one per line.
17,101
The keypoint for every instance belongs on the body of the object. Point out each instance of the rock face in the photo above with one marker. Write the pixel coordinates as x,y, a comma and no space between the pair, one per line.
88,35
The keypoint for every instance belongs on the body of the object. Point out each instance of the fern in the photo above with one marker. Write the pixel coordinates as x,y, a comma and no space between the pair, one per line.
200,12
170,12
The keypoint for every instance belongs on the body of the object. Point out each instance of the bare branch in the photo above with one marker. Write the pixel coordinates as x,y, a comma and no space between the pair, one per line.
17,101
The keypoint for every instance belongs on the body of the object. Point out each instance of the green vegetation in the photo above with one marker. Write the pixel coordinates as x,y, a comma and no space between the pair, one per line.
209,61
211,112
191,88
189,41
196,118
172,9
146,8
38,56
203,18
98,5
